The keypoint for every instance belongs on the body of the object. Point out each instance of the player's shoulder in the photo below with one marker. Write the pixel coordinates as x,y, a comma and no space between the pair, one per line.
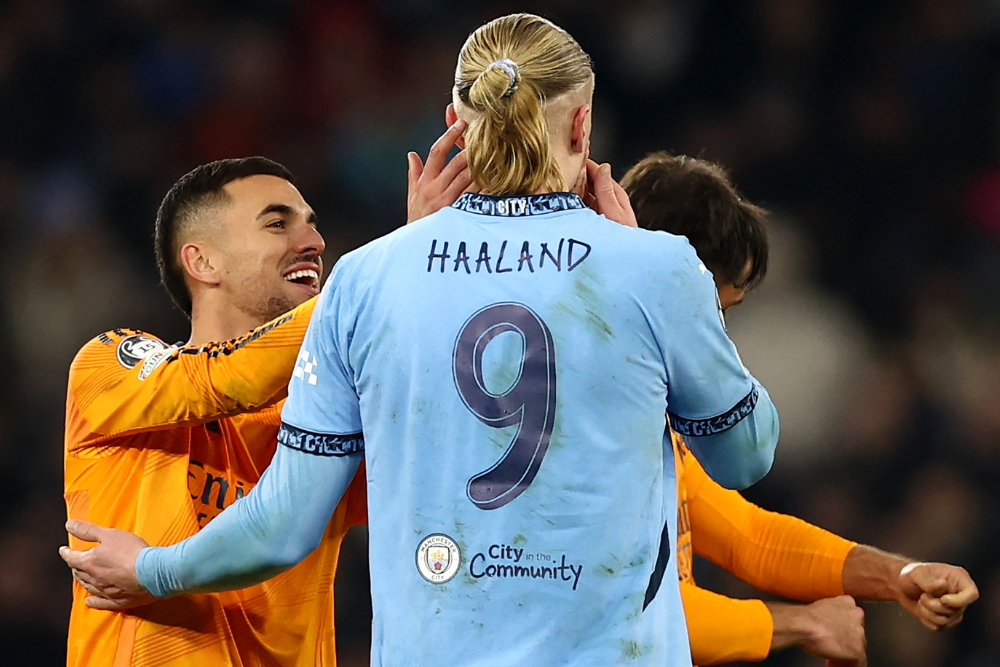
655,242
121,349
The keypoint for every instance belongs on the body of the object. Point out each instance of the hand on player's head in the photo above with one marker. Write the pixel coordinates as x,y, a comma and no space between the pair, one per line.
434,185
107,571
937,593
601,192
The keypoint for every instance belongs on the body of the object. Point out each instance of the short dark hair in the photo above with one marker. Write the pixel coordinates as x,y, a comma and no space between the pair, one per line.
695,198
196,190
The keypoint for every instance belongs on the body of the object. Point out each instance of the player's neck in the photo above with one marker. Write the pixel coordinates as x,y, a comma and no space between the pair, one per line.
210,324
569,167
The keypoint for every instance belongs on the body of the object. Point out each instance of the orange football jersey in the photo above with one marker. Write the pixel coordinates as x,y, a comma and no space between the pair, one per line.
159,441
775,552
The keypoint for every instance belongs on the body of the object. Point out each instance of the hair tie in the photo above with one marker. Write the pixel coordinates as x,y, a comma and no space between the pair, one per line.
512,71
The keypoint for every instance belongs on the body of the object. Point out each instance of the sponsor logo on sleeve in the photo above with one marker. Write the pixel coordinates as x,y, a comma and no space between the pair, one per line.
305,367
152,362
438,558
133,349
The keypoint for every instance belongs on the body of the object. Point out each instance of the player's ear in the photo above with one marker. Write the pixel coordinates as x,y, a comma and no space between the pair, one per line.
450,118
197,263
579,138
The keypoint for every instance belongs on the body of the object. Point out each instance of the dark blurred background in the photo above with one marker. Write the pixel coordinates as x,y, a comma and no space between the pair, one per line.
870,128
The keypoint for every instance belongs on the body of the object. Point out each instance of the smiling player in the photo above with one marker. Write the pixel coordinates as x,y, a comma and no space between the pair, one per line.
155,439
501,403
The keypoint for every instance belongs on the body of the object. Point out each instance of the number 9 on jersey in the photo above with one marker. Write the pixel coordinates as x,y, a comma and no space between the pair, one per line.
530,402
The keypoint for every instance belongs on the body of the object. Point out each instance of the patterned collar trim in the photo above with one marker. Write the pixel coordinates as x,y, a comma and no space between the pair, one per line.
516,207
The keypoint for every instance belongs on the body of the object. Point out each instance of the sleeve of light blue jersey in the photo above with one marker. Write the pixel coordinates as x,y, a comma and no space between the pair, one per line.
741,455
322,397
725,414
320,446
269,530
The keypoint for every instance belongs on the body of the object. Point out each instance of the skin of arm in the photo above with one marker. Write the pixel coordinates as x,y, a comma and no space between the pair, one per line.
937,594
724,630
831,628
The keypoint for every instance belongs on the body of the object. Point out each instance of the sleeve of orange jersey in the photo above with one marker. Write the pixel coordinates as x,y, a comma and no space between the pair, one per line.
191,385
724,630
776,553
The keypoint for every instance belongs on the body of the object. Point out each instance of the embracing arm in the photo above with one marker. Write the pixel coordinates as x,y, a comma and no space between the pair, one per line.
114,393
271,529
274,527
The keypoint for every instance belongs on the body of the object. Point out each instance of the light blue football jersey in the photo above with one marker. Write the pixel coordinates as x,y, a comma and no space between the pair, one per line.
509,362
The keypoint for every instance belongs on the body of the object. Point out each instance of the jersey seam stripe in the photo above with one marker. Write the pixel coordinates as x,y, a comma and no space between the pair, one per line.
153,652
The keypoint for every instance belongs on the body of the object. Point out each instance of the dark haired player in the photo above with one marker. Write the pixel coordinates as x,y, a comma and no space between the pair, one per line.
160,439
774,552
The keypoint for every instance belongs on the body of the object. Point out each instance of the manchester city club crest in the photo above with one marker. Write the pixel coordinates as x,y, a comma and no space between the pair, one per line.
438,558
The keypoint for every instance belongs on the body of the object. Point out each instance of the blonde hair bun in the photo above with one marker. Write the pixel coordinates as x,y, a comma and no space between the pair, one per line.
506,71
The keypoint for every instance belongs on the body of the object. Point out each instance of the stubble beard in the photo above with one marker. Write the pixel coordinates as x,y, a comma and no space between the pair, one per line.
262,304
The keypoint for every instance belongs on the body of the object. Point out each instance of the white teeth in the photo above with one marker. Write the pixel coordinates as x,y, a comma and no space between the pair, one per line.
304,273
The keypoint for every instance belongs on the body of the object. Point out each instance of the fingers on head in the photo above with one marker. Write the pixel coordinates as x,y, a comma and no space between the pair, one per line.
446,141
458,163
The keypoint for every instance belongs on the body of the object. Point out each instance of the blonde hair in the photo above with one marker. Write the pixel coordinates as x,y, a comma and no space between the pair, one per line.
506,72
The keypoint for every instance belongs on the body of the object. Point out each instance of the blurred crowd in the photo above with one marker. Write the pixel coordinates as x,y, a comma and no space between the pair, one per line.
870,129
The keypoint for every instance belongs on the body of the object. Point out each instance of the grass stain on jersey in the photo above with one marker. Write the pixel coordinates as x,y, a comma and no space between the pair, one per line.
603,570
633,650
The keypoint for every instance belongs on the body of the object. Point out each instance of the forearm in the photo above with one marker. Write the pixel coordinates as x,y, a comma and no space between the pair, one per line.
775,552
873,574
792,625
742,454
271,529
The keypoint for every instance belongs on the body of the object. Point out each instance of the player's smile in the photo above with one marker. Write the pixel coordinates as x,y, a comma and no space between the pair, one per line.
305,275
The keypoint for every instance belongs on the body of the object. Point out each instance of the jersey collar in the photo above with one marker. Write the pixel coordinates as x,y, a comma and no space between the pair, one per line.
519,206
